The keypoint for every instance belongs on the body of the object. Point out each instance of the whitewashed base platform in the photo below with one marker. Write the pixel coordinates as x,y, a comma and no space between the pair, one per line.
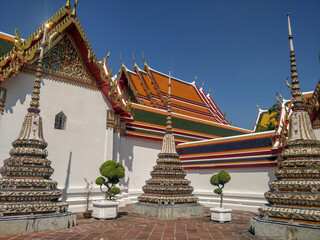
104,209
221,214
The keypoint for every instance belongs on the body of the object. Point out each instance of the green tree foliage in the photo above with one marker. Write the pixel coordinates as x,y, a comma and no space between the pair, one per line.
111,173
220,180
276,108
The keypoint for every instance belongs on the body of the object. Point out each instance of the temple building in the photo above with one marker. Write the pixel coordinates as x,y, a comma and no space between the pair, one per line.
90,116
122,117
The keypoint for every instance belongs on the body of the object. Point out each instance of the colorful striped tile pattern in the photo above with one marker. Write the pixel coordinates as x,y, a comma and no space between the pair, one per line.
249,150
150,123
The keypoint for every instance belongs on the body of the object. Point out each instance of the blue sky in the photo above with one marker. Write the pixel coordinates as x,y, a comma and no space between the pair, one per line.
240,49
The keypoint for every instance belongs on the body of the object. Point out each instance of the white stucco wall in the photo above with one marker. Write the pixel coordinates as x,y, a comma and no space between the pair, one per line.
75,152
245,191
139,156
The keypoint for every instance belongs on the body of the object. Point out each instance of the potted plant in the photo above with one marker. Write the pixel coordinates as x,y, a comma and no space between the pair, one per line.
87,195
220,214
111,173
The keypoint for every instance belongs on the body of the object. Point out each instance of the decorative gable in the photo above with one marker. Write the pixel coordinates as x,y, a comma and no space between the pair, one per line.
62,60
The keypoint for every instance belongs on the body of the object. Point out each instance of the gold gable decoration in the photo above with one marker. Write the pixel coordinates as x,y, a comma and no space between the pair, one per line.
63,61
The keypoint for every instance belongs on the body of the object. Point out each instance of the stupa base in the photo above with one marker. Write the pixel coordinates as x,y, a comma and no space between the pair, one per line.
283,230
178,211
36,223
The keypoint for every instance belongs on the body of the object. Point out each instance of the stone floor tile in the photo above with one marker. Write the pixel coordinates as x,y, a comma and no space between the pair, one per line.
130,226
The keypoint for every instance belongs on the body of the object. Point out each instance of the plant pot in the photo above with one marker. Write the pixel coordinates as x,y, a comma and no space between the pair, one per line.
221,214
87,214
105,209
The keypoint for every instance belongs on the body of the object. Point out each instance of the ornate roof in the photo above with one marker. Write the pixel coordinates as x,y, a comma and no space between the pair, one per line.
264,116
196,116
63,22
150,89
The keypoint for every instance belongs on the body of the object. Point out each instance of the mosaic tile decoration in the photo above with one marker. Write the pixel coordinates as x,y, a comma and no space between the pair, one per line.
295,196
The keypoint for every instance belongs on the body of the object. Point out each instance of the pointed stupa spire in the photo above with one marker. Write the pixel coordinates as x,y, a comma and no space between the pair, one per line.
293,198
168,143
295,90
300,125
34,104
169,122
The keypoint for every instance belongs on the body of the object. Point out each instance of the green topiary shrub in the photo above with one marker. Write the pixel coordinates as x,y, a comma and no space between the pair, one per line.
220,180
111,173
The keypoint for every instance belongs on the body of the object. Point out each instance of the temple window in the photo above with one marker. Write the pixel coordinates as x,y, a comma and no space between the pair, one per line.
3,93
60,121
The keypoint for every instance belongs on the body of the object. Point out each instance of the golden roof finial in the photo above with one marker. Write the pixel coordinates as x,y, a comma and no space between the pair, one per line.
145,63
73,12
258,106
281,97
119,71
122,64
135,64
202,84
278,99
195,79
67,5
288,84
106,57
209,91
17,37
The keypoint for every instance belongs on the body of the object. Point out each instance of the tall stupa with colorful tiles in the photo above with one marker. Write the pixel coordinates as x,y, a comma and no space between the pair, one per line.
293,211
168,193
28,196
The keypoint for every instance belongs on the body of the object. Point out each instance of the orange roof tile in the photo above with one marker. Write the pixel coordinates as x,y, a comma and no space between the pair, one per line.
137,83
7,37
178,88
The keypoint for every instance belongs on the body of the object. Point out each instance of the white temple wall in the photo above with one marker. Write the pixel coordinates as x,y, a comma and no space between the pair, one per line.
245,191
138,156
76,152
18,97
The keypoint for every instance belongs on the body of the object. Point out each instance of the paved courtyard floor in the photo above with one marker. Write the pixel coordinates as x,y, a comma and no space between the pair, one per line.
131,226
